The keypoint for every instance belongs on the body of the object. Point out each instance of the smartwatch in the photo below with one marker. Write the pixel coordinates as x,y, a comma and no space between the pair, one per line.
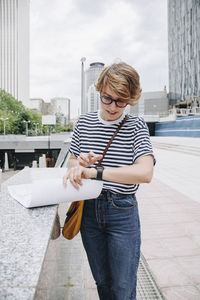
99,172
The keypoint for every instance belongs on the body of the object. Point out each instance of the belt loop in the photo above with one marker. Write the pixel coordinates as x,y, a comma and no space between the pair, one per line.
109,196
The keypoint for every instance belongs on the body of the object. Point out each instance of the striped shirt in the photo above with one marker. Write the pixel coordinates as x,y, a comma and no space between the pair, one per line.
92,133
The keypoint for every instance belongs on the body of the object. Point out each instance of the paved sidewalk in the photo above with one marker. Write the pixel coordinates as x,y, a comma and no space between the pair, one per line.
177,169
170,217
170,223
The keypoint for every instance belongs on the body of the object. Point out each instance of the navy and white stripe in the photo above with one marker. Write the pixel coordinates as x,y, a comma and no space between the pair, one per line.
132,141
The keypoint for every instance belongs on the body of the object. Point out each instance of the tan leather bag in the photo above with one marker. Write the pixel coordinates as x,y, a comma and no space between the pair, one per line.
73,220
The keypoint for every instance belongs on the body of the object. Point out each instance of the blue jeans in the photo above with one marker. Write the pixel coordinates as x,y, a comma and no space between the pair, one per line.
110,233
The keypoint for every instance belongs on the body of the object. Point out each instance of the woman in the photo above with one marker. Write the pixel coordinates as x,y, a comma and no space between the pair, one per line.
110,228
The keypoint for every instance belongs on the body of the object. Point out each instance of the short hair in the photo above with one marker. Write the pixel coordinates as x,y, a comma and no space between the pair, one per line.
123,80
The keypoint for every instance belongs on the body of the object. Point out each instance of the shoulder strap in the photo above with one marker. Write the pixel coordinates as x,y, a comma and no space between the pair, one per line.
112,138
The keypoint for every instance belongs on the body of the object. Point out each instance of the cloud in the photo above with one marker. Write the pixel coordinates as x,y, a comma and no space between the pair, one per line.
64,31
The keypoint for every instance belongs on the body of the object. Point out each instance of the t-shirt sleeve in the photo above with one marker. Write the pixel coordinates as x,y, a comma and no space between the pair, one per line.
75,142
142,145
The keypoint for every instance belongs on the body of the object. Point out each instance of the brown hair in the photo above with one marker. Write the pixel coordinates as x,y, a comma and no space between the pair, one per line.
123,80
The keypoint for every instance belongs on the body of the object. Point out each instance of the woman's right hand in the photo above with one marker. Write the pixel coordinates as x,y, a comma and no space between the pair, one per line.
88,159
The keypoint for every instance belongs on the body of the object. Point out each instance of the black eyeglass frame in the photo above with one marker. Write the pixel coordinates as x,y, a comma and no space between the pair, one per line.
107,98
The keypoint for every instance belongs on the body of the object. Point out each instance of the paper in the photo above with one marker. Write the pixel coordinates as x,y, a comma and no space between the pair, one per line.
51,191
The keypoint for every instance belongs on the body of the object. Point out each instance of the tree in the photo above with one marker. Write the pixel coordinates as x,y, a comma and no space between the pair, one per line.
16,113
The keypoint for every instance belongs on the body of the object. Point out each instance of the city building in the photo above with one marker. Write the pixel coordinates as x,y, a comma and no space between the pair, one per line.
184,50
61,108
151,104
36,104
14,48
58,106
91,95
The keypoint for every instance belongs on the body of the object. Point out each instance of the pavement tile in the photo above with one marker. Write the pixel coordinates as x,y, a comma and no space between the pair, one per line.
153,231
181,293
183,217
168,273
92,294
173,207
75,293
191,228
155,249
153,219
196,238
165,200
181,246
191,265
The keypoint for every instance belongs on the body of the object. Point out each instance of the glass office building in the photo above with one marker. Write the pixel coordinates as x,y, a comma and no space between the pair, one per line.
184,49
14,48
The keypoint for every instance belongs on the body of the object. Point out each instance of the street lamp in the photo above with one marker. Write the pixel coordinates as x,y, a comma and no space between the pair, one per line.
26,126
4,125
36,127
83,59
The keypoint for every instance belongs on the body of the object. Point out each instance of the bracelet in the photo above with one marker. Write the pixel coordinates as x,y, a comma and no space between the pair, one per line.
99,172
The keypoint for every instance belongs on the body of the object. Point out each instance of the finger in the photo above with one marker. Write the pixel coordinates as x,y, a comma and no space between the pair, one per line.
84,157
82,163
83,160
77,176
91,154
97,157
73,182
65,180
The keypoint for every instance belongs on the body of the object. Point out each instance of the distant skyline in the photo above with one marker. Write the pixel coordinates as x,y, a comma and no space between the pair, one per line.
61,32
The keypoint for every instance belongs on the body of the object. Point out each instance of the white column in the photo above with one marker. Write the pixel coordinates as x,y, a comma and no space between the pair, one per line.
34,164
6,165
0,178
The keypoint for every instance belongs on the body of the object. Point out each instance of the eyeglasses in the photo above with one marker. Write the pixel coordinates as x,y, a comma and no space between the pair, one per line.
108,100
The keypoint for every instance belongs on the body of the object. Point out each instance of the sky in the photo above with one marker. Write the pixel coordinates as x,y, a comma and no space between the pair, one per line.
107,31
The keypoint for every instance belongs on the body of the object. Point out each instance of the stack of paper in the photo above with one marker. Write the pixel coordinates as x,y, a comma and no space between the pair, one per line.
49,191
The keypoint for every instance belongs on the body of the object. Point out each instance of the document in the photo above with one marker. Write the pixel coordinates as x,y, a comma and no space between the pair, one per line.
49,191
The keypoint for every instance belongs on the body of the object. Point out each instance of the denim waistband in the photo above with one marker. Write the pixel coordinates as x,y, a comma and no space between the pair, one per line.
109,194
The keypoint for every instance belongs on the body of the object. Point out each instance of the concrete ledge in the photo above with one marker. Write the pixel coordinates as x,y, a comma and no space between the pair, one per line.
24,236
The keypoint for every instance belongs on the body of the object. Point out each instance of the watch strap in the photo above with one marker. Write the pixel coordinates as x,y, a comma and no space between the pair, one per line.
99,172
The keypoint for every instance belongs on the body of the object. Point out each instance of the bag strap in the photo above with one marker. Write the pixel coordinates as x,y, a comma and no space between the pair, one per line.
112,138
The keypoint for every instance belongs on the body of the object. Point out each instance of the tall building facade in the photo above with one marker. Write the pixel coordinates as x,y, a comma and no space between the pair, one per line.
184,49
93,98
14,48
91,76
